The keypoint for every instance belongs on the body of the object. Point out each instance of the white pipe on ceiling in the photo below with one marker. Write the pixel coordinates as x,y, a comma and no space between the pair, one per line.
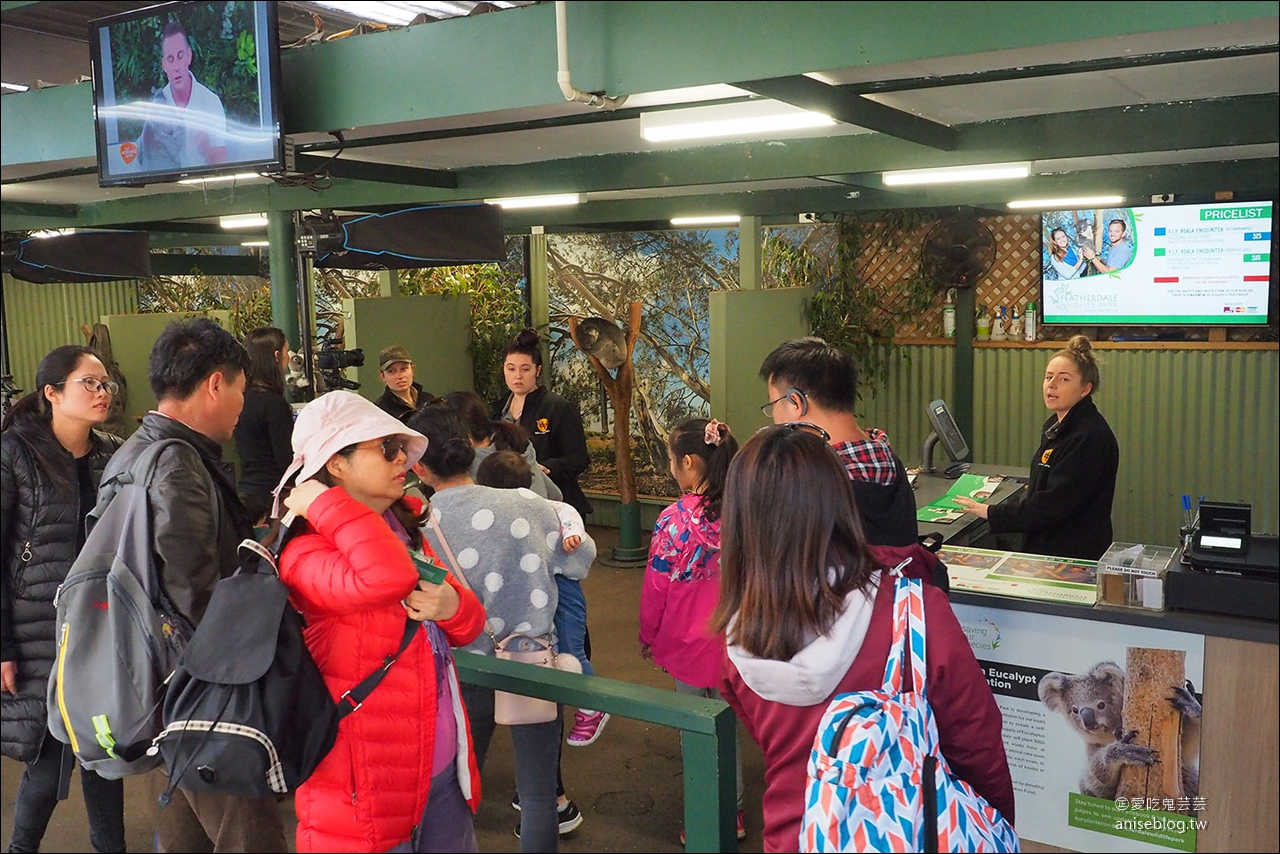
562,76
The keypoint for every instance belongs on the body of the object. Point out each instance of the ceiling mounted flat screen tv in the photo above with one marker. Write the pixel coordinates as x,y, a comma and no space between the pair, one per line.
186,90
1164,265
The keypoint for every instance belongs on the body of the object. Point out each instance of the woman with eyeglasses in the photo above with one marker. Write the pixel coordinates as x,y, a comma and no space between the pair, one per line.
402,775
51,461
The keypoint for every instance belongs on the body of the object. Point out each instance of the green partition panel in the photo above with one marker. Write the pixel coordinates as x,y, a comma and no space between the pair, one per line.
745,327
132,336
435,328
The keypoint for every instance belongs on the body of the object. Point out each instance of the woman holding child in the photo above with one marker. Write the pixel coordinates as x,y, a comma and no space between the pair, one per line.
506,543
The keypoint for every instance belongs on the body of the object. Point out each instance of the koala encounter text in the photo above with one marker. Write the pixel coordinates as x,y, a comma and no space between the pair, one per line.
1093,704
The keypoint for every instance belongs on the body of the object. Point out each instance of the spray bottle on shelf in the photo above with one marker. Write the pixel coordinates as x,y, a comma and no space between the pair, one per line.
949,315
984,324
997,325
1029,324
1015,324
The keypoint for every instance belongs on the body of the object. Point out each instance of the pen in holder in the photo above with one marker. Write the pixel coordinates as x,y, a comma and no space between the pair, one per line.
1186,533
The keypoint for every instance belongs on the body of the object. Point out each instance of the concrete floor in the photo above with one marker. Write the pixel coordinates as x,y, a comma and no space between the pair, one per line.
628,784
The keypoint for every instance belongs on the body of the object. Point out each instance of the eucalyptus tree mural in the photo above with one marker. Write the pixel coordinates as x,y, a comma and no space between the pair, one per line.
670,273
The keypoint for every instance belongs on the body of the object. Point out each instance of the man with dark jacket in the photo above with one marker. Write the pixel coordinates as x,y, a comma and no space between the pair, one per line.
813,383
197,371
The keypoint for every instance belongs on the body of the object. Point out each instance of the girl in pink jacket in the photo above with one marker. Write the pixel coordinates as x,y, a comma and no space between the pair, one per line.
682,583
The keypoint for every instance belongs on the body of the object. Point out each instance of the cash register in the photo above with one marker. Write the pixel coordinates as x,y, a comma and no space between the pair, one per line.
1233,570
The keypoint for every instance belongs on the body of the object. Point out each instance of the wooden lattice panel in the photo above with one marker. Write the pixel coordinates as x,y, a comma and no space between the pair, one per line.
1014,278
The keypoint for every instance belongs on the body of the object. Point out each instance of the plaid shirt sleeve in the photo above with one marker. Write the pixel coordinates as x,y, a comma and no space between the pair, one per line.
870,460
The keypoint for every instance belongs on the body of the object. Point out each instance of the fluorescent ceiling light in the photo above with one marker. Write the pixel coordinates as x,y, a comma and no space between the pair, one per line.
746,118
953,174
46,233
1078,202
254,220
726,219
256,243
221,179
398,14
14,87
552,201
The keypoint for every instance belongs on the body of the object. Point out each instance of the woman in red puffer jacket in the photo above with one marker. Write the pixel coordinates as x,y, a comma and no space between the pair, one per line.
402,774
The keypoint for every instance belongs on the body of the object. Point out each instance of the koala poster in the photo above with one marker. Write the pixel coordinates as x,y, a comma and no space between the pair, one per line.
1101,727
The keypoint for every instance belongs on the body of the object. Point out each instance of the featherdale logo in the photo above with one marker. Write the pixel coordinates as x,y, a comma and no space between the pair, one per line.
543,425
985,636
1044,458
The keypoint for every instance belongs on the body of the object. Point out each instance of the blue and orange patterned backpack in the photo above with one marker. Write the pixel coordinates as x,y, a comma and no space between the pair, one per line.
877,778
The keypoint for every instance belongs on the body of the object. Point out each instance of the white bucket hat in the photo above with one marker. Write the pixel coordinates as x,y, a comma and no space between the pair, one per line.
335,420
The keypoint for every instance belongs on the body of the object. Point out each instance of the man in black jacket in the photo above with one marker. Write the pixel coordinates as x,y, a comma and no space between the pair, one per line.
197,371
812,382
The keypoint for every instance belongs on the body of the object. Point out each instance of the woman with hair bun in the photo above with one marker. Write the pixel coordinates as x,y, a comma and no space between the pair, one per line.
554,424
1066,510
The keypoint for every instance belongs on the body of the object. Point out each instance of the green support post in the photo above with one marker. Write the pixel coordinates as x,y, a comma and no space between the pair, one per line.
962,406
282,260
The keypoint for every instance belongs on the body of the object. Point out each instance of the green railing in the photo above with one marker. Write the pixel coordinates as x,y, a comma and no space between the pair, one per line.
708,741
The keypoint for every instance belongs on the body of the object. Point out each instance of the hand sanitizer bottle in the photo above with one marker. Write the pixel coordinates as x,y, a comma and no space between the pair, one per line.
949,315
1015,324
997,326
1029,325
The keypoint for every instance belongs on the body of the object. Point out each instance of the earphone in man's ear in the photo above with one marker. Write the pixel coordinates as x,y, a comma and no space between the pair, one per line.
804,400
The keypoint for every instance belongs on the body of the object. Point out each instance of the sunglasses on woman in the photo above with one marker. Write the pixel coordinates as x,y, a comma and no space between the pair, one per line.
391,447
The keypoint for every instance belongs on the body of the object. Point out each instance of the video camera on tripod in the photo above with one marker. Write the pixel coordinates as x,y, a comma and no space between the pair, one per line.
332,362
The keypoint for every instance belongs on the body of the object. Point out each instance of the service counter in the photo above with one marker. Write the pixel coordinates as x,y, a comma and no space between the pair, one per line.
1233,665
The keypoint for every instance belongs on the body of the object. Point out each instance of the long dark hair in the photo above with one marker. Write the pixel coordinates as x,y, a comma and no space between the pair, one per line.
473,412
31,418
263,344
689,438
792,547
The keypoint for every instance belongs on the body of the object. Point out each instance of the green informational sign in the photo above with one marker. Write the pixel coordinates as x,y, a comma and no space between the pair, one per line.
1166,829
945,510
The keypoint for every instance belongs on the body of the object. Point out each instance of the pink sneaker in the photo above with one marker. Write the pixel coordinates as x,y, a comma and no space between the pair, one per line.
586,728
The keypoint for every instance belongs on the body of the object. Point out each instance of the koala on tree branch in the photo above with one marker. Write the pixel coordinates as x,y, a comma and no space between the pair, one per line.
1093,704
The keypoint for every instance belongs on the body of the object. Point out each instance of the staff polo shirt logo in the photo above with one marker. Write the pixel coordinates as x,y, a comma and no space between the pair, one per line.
543,425
1044,458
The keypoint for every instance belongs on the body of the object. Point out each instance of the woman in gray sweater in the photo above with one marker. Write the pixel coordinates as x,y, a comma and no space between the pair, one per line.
506,542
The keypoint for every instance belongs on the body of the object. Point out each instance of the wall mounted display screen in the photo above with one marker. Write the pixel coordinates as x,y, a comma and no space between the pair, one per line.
1159,265
186,90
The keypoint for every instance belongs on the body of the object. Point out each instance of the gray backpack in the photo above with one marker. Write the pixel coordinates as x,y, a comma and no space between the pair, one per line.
119,637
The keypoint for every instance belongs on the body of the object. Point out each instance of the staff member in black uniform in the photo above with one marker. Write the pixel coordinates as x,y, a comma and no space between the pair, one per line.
403,396
553,423
1066,511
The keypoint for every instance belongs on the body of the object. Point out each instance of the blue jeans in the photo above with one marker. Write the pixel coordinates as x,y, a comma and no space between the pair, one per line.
537,765
571,622
38,795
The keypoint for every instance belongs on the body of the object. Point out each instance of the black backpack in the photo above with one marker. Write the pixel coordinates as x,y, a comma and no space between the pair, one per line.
247,709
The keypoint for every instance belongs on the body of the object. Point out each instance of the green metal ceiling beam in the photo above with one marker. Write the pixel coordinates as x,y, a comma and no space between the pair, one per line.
364,170
164,264
39,210
487,63
1113,131
816,96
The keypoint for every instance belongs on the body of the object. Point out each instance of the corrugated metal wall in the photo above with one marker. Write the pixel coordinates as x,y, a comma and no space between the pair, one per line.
917,376
1203,422
41,317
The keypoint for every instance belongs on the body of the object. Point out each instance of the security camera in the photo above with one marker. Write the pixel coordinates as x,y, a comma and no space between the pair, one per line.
1162,199
808,217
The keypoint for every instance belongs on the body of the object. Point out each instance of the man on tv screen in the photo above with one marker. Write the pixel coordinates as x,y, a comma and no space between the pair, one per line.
188,125
1118,253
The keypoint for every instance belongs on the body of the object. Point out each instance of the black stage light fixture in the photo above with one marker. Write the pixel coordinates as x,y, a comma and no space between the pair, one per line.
428,236
92,256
